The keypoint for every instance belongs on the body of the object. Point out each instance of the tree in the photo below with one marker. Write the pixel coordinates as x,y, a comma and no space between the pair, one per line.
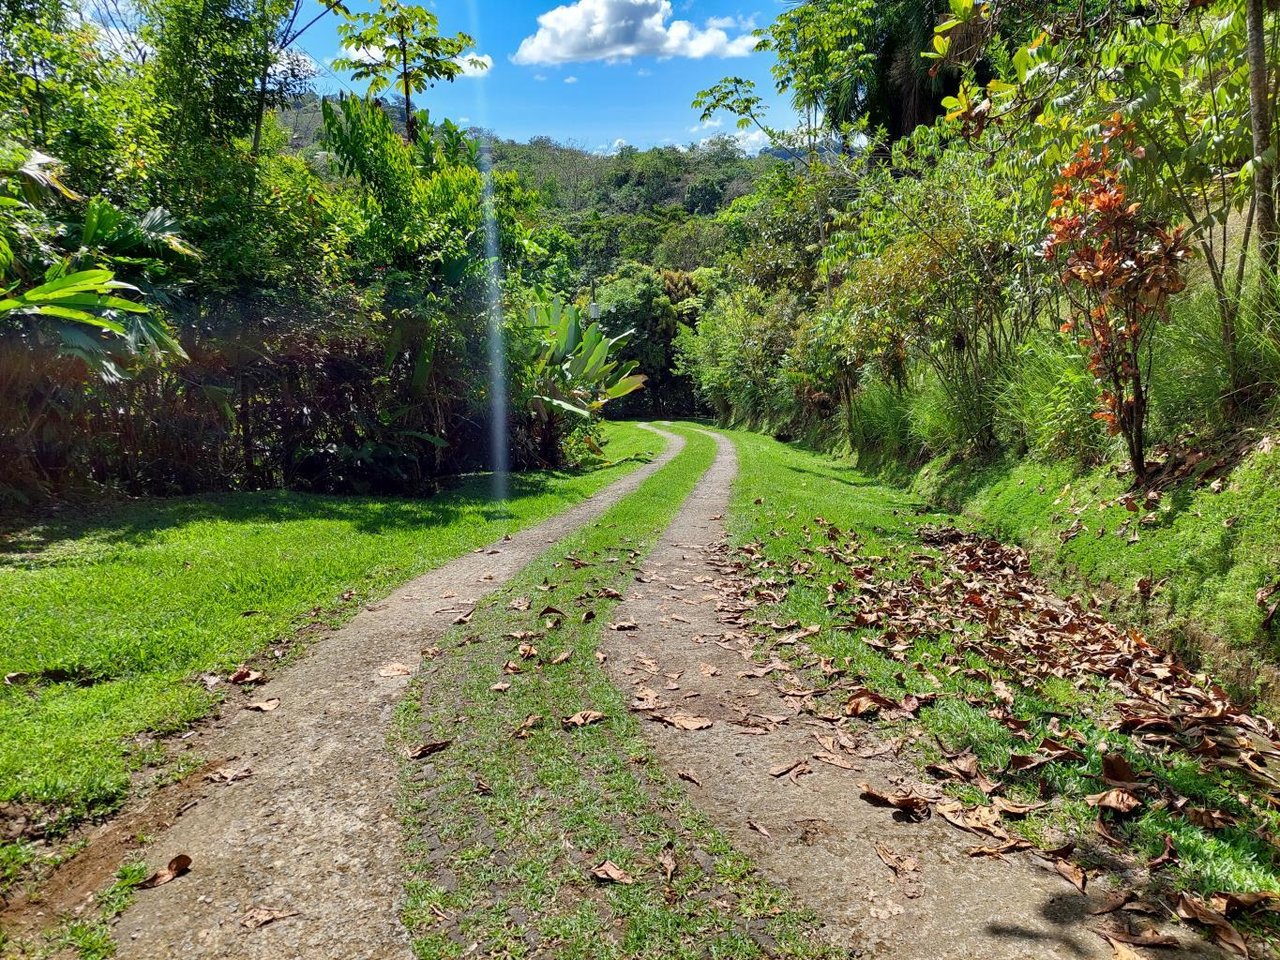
399,45
1262,119
1119,267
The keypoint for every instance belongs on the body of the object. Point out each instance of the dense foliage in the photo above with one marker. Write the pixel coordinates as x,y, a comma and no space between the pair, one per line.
1050,230
212,277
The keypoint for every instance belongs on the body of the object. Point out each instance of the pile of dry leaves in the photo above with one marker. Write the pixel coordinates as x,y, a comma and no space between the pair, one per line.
982,595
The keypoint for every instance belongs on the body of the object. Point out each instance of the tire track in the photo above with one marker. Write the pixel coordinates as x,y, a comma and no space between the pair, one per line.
312,835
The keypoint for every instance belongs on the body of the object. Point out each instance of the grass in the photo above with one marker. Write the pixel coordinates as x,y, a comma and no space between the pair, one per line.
109,620
781,490
505,830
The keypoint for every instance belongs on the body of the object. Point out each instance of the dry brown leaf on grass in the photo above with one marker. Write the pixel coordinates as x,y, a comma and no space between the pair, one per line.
256,917
175,868
501,687
527,651
582,718
263,706
562,657
244,675
395,670
519,603
464,618
421,750
610,872
527,725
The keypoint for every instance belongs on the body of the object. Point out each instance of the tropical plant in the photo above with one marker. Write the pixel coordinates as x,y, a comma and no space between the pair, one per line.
574,370
74,293
1120,267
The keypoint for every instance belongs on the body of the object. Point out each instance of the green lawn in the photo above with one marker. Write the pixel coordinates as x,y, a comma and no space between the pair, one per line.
782,489
111,619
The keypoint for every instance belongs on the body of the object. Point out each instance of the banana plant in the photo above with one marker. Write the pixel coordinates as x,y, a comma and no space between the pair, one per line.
575,369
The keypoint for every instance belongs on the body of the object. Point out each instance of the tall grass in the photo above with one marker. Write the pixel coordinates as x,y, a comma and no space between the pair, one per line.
1047,401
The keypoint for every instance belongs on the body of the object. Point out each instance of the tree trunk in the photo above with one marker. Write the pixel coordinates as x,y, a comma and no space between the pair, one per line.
410,122
1262,121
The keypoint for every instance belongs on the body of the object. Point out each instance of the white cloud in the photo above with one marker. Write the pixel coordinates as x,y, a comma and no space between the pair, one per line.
570,79
643,72
711,124
539,77
619,29
474,64
609,150
751,141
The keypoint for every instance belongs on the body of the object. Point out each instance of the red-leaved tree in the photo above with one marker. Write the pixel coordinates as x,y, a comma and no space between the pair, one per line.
1119,267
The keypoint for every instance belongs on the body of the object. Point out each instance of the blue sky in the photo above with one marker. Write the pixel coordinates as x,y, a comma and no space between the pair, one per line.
592,72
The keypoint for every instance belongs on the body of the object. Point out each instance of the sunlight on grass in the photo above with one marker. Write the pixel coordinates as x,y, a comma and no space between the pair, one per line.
108,618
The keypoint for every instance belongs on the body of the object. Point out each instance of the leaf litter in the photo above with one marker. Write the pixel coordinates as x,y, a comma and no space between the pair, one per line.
983,595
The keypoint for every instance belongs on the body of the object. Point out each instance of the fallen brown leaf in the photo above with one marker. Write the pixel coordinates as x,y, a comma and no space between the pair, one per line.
610,872
395,670
426,749
264,706
175,868
256,917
